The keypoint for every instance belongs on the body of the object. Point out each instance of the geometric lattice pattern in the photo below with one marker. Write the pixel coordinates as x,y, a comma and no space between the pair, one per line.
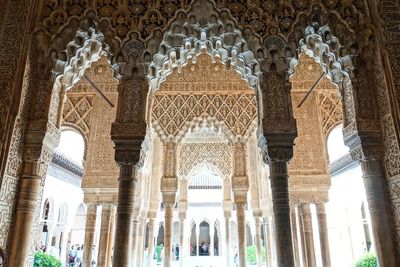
330,108
172,112
190,155
77,112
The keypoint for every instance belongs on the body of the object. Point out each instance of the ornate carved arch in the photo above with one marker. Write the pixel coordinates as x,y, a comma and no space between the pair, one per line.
200,90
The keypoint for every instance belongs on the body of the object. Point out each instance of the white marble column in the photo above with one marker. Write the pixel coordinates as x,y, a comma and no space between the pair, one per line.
323,234
268,241
240,187
257,225
169,187
150,247
181,238
302,236
169,210
104,234
240,202
211,249
308,234
110,246
89,234
140,245
294,235
135,232
197,239
227,215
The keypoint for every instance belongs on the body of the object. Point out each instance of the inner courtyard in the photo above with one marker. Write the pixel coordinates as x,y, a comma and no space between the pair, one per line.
199,133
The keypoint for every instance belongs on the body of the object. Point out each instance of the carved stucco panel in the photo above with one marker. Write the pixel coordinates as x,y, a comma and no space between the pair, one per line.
9,183
192,154
204,89
309,153
101,169
330,110
77,112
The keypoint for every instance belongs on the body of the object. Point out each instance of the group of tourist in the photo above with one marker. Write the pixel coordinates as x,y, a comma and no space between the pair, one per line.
75,256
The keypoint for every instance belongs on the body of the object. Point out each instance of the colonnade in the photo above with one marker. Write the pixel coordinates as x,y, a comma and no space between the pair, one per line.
303,234
106,238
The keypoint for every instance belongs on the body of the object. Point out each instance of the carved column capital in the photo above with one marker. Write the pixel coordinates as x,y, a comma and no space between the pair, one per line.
278,147
240,184
227,214
168,199
182,215
257,214
151,215
127,152
240,199
169,184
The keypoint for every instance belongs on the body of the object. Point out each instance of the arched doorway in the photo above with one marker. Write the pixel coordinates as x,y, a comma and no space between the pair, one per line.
78,227
204,239
193,244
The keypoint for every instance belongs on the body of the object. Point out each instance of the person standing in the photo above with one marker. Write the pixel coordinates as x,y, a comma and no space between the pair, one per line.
177,252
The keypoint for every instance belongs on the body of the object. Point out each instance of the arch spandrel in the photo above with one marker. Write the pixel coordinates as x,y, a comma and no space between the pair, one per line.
203,89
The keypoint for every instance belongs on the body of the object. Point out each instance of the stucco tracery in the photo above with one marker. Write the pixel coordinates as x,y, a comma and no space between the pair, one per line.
224,63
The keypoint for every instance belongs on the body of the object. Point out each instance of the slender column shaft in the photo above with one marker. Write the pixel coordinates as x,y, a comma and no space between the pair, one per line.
169,209
140,246
181,240
211,249
323,235
135,233
308,233
381,225
258,241
281,210
89,234
123,229
294,234
197,240
227,238
150,248
268,243
110,241
25,212
302,237
66,256
241,223
104,235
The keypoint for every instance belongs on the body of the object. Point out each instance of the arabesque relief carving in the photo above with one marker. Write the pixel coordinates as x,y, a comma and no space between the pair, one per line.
191,93
133,31
192,154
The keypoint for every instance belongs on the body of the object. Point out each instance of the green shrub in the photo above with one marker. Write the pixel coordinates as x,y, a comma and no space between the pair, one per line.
45,260
251,254
367,260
